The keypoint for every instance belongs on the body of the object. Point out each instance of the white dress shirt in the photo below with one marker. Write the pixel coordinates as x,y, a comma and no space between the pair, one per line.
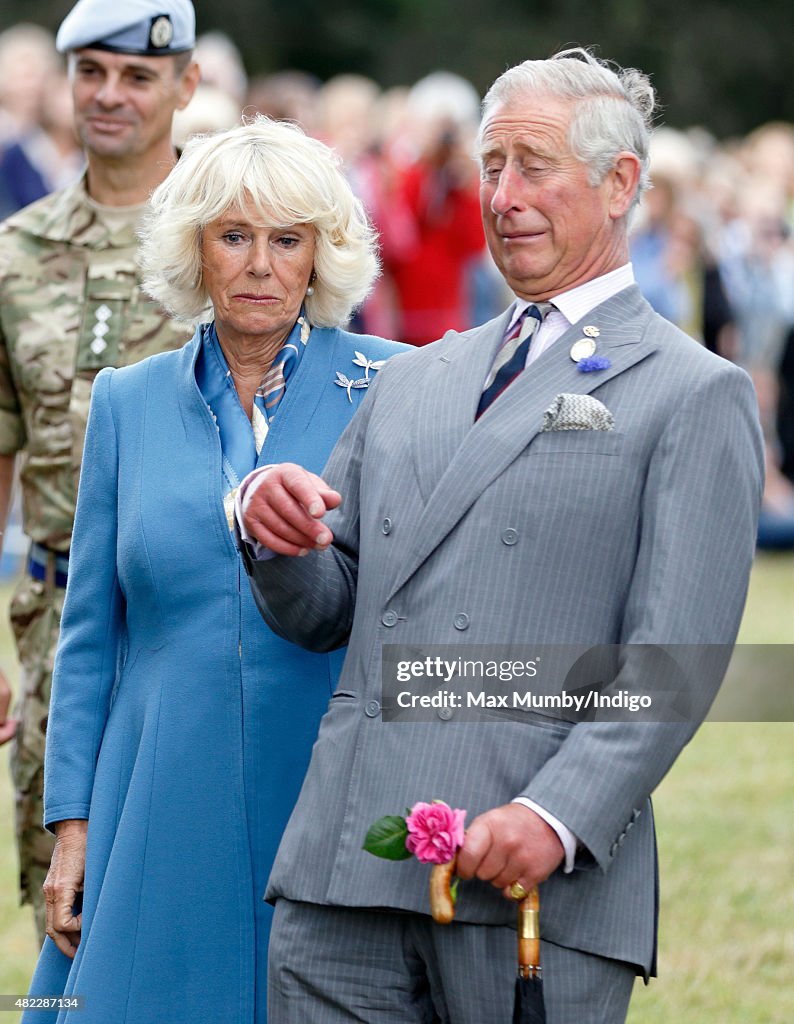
571,307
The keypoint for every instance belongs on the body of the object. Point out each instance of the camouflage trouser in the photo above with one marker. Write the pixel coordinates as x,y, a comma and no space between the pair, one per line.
35,619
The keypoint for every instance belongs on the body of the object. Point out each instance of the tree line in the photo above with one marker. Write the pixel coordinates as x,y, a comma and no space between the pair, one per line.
722,64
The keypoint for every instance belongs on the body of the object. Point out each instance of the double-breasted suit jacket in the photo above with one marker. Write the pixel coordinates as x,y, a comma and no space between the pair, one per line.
453,531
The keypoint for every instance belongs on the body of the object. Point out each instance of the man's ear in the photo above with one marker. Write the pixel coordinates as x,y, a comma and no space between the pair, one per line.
625,180
188,83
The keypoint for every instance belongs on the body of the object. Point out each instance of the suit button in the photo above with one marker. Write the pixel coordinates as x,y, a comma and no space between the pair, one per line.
509,536
461,621
386,527
389,618
445,714
372,709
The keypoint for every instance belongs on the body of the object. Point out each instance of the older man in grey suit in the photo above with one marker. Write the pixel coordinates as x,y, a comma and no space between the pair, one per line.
605,495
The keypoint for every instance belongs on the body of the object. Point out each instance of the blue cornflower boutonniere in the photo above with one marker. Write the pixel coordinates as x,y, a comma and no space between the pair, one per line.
358,382
592,363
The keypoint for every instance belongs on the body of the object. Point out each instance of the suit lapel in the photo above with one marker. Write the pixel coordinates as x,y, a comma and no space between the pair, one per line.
486,448
442,417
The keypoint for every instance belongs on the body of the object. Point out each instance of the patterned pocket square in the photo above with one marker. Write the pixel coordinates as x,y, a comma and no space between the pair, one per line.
577,412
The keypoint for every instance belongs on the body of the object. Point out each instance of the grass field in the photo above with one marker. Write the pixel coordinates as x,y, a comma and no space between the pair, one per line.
725,817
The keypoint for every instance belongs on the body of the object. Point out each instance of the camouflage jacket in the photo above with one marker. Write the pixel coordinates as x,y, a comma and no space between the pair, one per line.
70,303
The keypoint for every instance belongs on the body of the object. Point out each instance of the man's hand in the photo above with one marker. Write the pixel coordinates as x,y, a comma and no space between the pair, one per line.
509,844
8,726
284,510
63,883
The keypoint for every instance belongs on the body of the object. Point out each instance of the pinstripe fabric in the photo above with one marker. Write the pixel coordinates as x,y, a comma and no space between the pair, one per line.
639,535
331,966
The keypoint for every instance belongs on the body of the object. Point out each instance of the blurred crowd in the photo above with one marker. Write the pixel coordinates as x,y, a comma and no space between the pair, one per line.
712,244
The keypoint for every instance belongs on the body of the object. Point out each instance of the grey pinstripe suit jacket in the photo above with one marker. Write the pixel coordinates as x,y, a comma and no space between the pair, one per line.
644,535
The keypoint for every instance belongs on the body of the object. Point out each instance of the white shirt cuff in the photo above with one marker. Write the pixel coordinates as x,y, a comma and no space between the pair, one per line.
245,492
567,838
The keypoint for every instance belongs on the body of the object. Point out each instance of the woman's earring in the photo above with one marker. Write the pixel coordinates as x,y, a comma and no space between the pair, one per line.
310,290
312,279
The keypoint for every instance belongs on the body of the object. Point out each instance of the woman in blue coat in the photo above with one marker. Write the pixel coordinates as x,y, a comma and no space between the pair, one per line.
180,726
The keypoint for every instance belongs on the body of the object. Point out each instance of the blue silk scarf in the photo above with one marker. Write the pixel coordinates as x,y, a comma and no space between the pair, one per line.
215,382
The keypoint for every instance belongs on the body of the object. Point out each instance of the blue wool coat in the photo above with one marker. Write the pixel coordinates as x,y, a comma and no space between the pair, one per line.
181,726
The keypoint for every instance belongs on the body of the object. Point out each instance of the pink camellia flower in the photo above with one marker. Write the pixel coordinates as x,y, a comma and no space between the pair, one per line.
435,832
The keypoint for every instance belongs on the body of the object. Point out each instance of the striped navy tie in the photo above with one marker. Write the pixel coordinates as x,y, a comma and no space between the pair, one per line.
512,356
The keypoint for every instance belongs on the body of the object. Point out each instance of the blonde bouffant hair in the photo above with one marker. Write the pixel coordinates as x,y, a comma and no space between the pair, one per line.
288,178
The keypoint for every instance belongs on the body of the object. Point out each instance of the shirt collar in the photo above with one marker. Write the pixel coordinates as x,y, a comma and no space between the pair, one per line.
576,303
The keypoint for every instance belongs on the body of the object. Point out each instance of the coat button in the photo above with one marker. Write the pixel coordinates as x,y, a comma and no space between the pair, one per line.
372,709
461,621
509,536
389,618
445,714
386,527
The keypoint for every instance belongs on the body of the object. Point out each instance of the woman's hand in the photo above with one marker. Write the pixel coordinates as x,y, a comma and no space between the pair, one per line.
284,511
63,883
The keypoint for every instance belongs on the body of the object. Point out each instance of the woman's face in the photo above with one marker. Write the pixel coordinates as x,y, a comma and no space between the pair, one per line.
255,275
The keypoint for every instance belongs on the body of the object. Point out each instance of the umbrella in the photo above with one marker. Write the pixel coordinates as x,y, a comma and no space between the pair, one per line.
529,1008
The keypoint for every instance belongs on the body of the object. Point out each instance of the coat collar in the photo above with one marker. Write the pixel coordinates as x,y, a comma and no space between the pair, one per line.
297,408
467,456
69,216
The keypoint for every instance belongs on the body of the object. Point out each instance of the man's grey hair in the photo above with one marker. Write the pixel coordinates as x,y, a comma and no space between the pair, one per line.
613,112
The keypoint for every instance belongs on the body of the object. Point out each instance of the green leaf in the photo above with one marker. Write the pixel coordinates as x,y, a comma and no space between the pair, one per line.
453,891
386,838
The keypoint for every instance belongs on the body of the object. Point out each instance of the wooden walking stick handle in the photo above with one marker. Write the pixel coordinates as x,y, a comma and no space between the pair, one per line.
442,902
529,935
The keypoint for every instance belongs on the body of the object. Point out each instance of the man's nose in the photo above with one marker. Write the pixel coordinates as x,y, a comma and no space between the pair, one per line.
508,193
110,94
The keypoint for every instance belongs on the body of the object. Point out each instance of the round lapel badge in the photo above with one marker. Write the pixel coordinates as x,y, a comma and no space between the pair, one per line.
582,349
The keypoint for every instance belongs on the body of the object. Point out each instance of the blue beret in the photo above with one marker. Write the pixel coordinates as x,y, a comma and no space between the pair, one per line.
151,28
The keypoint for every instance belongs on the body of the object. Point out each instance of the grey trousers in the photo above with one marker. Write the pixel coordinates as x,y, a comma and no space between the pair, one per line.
332,965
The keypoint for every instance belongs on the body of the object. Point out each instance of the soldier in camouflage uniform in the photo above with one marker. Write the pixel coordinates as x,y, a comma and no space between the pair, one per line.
71,303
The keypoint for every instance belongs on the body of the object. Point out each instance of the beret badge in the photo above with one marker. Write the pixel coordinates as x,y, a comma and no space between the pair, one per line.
161,33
